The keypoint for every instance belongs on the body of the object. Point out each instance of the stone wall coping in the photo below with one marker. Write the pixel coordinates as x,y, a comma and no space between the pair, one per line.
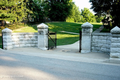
87,25
101,34
42,26
7,30
116,30
27,33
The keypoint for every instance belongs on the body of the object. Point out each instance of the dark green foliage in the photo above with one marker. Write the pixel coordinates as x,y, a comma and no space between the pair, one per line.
34,10
108,7
57,10
12,10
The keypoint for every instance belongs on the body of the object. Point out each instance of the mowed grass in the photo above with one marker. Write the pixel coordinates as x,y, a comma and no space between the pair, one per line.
69,26
62,38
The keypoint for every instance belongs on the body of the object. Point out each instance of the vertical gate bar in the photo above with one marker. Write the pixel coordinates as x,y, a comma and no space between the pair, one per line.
2,40
80,36
48,39
79,40
55,39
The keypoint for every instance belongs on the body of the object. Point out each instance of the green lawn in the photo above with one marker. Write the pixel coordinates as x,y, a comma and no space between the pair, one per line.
62,38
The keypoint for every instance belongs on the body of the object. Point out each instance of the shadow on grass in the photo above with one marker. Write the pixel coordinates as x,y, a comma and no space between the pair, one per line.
69,26
64,26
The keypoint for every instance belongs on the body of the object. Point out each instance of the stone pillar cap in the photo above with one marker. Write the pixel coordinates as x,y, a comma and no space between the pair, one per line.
116,30
87,25
42,26
6,30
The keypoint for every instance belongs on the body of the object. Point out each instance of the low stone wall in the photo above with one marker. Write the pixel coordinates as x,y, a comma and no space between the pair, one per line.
14,40
24,39
101,42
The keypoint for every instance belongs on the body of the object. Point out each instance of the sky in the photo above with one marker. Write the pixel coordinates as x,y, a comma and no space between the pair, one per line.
83,3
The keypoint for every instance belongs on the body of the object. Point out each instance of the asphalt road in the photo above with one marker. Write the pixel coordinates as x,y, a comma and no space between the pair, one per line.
26,67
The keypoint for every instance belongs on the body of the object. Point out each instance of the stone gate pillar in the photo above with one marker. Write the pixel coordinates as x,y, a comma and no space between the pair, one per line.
87,29
42,36
115,43
7,38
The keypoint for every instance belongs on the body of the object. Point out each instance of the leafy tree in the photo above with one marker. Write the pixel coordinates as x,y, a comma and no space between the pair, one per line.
12,10
99,18
57,10
107,7
87,15
34,12
74,14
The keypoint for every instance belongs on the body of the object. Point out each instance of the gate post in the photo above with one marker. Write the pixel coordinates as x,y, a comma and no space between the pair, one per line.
115,43
7,38
87,29
42,36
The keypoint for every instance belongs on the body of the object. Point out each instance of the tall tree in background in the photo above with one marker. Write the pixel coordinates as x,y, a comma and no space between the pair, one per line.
35,12
12,10
57,10
87,15
108,7
74,14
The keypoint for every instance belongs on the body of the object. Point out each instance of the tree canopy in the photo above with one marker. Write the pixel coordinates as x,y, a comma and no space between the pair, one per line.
87,15
108,7
74,14
57,10
12,10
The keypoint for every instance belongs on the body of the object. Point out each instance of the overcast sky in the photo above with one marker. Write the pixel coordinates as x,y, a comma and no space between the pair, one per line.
83,3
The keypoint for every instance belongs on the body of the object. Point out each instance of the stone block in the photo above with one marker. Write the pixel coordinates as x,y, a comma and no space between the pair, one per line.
33,39
7,44
34,42
33,45
15,40
115,40
6,37
103,49
102,37
115,55
108,42
28,45
115,45
103,41
100,44
7,40
115,50
21,39
16,46
7,47
26,36
22,45
30,36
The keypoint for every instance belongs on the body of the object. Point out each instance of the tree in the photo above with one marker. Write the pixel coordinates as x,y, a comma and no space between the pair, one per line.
99,18
57,10
107,7
34,12
12,10
87,15
74,14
